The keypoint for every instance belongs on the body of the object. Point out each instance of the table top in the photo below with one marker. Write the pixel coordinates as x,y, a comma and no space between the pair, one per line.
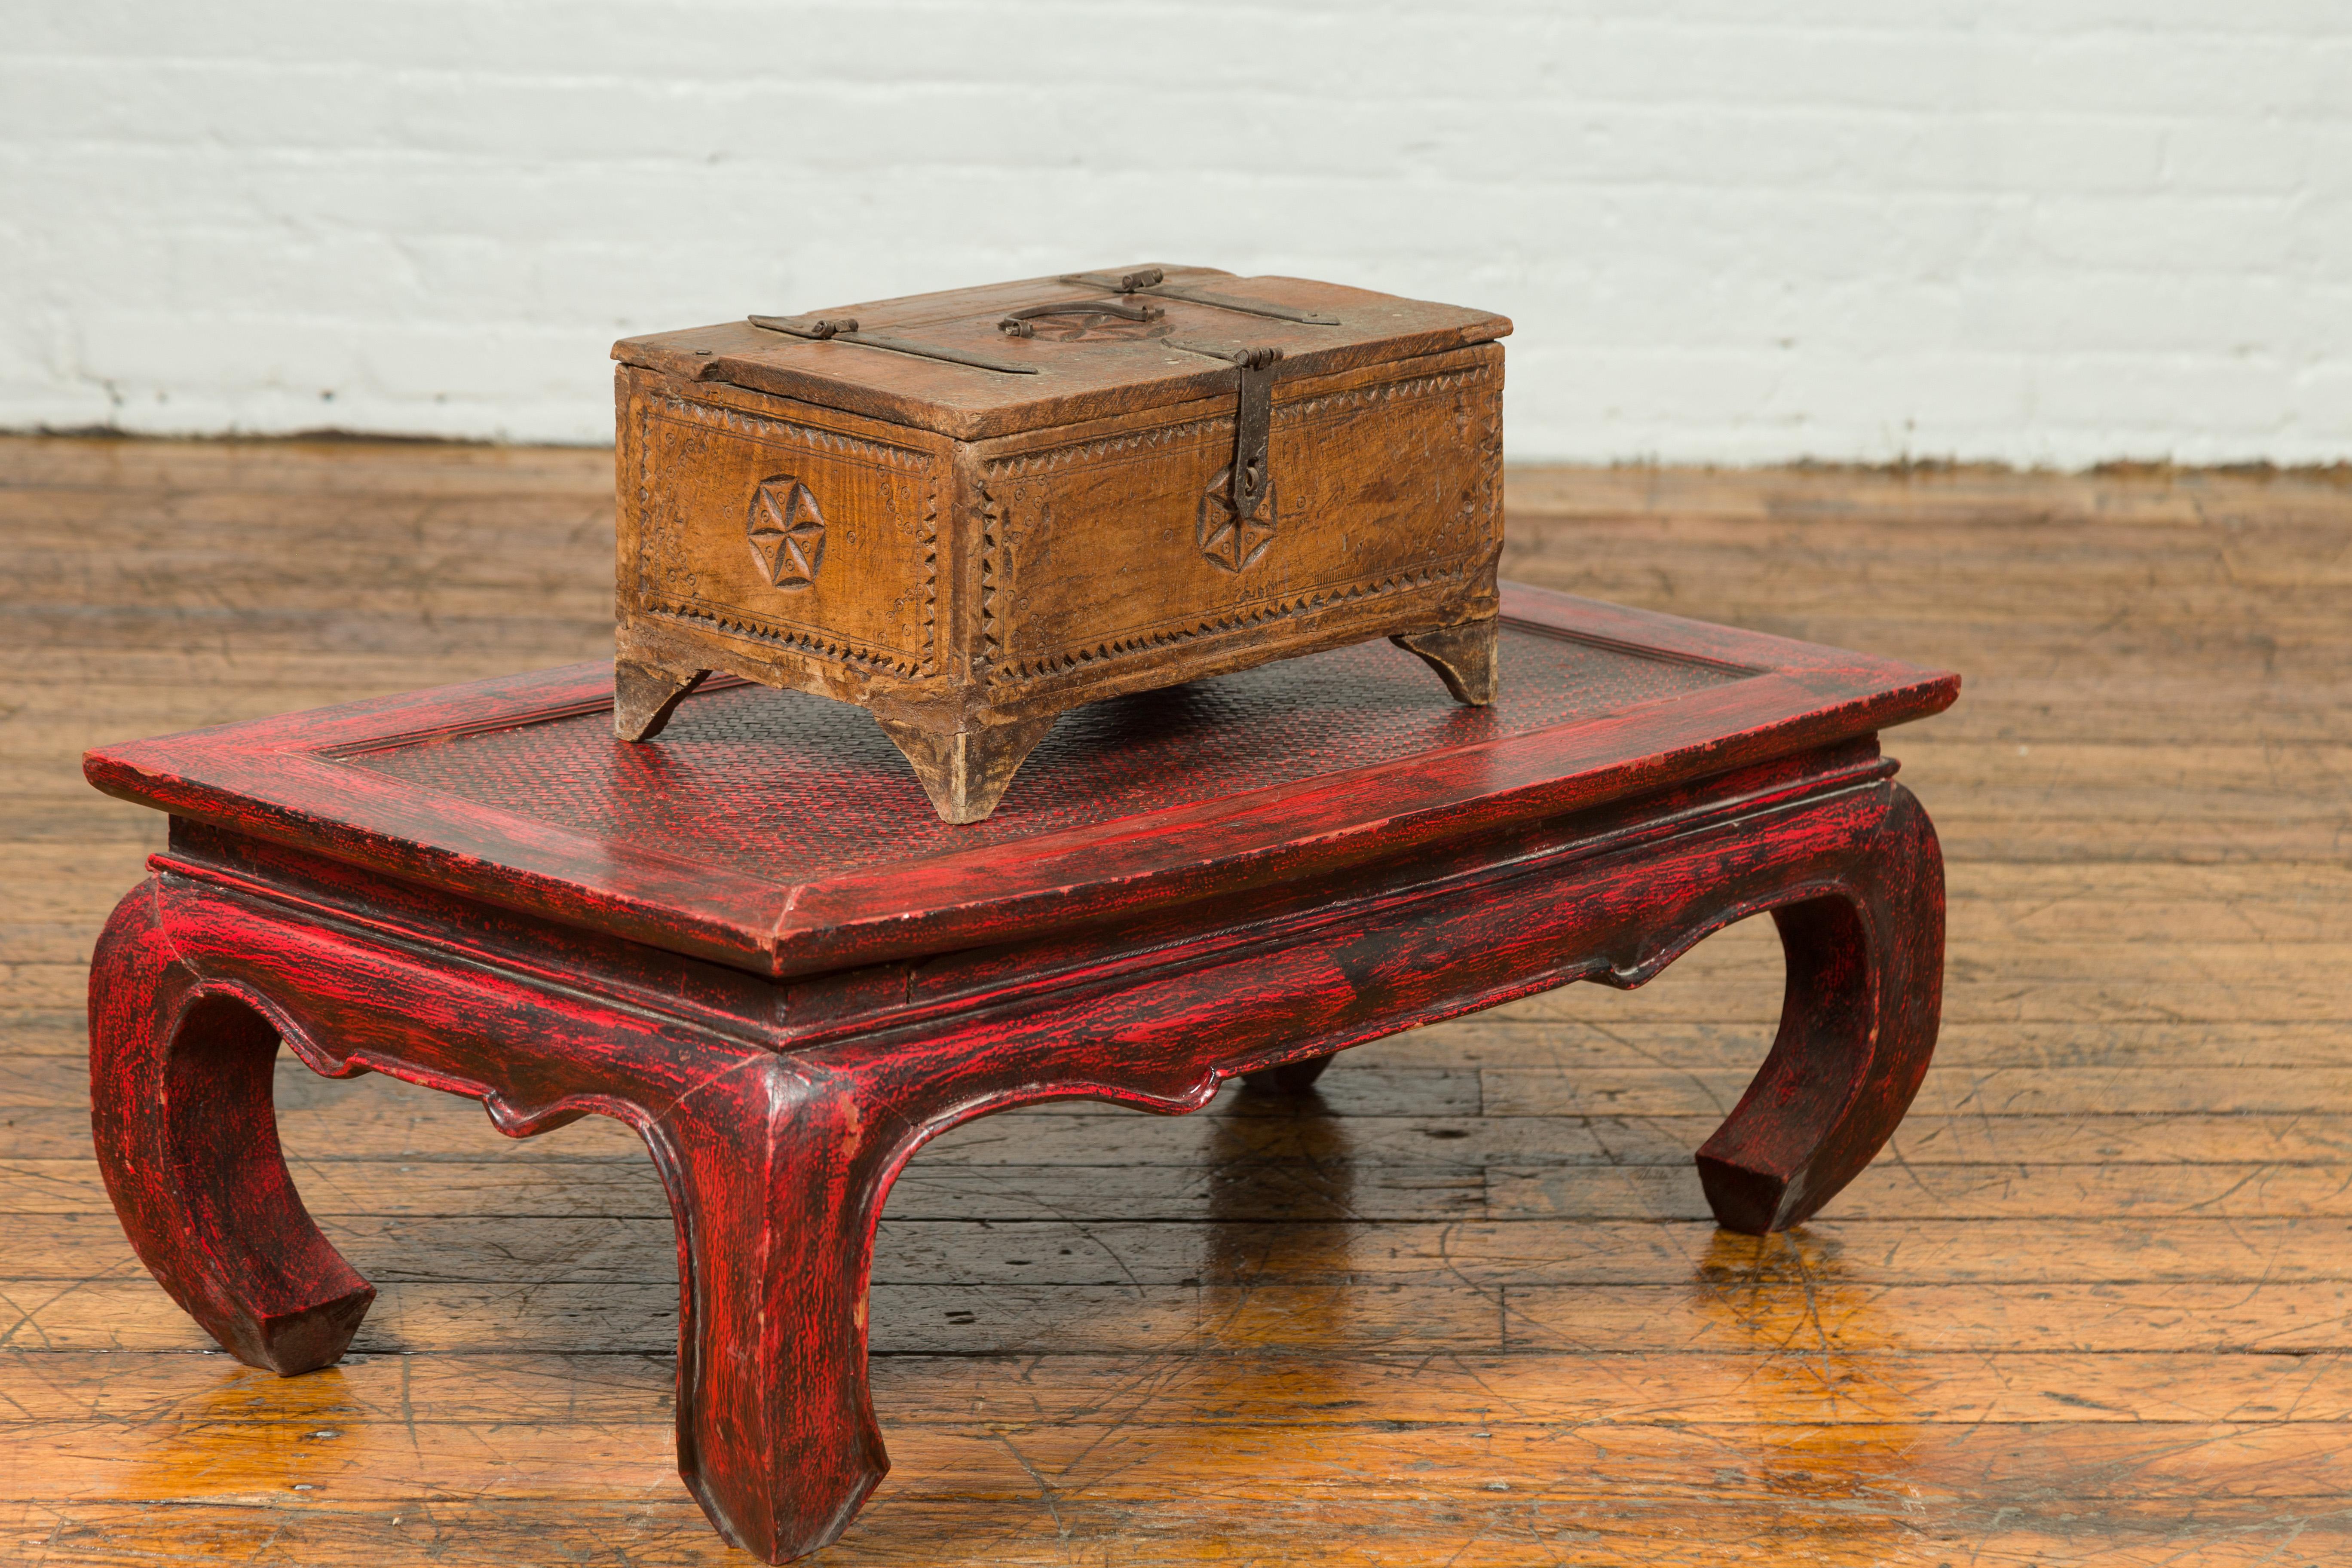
781,832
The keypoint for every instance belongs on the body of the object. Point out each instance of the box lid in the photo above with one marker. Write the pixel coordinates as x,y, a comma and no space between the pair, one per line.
1008,357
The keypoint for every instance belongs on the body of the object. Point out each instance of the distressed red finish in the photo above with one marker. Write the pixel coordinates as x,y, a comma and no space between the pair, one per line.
463,889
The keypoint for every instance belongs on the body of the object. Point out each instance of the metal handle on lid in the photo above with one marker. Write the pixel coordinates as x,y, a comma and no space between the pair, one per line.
1017,324
1152,280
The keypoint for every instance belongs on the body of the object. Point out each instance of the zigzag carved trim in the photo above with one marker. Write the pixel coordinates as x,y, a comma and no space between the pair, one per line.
1485,500
1027,464
899,460
1230,620
1023,464
800,640
932,577
992,531
754,426
1389,392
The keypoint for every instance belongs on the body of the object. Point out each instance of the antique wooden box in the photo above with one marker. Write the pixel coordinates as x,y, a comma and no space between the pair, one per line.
971,511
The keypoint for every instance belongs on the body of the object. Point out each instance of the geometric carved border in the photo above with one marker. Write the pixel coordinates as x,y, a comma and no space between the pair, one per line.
813,641
814,644
1235,619
1028,464
1435,385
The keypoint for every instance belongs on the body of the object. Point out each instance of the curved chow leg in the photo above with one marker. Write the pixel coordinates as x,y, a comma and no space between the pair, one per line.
776,1181
187,1139
776,1177
1865,972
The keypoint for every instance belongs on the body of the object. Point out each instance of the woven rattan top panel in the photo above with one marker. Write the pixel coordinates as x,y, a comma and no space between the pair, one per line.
785,785
783,834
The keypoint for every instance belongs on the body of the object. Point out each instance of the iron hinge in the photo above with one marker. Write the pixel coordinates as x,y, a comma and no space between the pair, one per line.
844,330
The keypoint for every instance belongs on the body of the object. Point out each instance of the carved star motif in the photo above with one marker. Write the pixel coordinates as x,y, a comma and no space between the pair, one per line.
786,531
1223,537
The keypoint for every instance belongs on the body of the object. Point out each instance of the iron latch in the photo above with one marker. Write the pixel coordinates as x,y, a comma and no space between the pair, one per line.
1252,471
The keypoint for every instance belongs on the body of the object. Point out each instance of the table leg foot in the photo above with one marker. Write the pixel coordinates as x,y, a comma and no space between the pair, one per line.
1465,658
646,695
187,1139
776,1181
1858,1019
1290,1077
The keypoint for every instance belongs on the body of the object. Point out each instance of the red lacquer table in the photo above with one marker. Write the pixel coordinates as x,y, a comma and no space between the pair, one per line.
754,943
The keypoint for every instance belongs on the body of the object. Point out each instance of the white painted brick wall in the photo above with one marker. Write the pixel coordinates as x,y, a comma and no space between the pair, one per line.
1737,230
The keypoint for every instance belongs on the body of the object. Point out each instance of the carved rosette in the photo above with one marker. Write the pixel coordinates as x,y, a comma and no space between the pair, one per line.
742,520
786,532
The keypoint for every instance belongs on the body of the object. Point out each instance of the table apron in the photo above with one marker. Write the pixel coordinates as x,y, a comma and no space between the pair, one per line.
539,1055
1164,1042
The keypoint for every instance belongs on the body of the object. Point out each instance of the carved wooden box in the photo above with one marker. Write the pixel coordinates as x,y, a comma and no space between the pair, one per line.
969,511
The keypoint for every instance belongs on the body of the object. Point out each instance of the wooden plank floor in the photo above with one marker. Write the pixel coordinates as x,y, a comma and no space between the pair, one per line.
2094,1304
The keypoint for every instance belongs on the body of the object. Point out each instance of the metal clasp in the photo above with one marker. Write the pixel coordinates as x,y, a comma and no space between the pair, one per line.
1252,469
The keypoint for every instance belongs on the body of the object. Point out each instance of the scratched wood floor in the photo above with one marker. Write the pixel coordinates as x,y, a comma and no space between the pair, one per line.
2094,1303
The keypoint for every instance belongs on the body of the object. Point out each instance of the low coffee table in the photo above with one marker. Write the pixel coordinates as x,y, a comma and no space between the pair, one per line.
755,944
